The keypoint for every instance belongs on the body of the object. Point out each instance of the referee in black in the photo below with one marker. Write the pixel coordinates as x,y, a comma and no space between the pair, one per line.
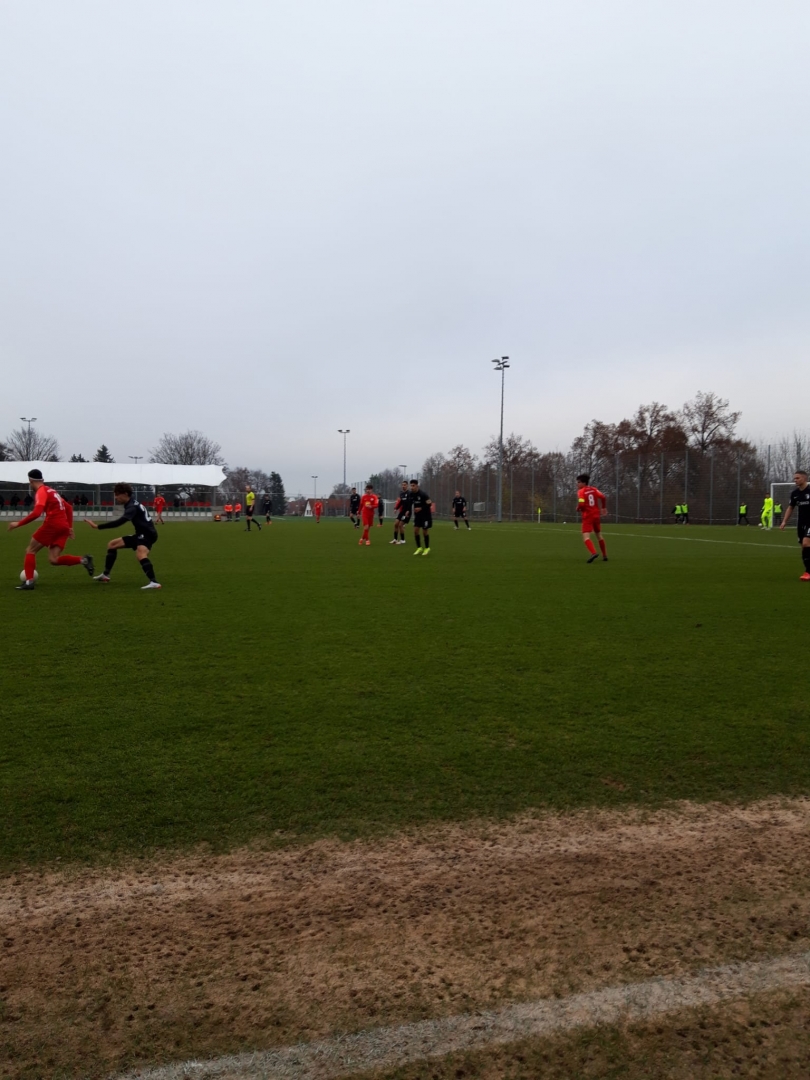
459,510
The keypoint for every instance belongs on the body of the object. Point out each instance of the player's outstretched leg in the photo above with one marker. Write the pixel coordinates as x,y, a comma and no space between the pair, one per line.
109,563
602,548
149,570
29,569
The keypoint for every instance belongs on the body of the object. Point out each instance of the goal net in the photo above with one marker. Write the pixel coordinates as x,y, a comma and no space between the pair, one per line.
780,493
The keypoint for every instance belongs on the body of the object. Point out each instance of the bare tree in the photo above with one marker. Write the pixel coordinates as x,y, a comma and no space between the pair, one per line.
27,444
790,453
188,448
4,452
708,421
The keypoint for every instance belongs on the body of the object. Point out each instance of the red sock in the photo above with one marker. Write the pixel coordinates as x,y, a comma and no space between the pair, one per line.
602,547
365,532
30,566
68,560
589,546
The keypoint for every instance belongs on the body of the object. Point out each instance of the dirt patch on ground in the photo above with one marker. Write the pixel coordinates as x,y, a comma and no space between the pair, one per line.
203,956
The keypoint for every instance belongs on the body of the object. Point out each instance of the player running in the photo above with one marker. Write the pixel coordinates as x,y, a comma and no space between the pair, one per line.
368,504
403,511
590,503
800,497
53,533
460,510
354,508
250,506
141,542
160,506
422,506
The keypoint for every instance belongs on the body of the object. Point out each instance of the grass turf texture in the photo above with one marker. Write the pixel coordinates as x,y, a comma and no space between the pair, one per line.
291,684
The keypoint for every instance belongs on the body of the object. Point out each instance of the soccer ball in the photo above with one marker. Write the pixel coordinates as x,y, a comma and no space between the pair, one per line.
22,575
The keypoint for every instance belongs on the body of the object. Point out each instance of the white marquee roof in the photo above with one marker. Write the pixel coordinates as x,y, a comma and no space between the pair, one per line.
101,474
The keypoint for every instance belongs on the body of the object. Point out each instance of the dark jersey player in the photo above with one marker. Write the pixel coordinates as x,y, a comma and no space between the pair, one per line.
590,504
53,533
422,509
402,508
141,541
800,499
459,510
354,508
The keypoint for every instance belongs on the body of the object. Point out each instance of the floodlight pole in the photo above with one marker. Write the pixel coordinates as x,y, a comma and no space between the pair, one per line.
315,496
26,420
501,365
344,432
404,471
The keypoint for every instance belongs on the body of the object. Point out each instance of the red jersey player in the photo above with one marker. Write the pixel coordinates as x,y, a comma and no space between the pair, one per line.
53,533
318,511
160,506
368,504
590,503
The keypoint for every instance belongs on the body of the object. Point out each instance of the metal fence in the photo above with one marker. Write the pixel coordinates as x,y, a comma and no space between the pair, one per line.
642,488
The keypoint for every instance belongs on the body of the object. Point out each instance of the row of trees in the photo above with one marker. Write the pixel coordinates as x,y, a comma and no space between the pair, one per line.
187,448
656,456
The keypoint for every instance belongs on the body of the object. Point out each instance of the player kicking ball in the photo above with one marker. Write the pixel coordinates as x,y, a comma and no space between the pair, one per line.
590,503
141,542
53,533
368,504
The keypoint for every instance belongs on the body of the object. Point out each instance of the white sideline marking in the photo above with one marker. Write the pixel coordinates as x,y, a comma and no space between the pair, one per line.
394,1046
651,536
698,540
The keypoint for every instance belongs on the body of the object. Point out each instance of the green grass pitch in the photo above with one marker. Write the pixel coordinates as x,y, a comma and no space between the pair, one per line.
289,684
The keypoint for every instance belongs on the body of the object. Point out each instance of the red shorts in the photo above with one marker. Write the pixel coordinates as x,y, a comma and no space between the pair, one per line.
368,517
53,534
591,523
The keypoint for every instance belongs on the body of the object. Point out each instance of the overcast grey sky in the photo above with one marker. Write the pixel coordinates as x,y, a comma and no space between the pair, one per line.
271,220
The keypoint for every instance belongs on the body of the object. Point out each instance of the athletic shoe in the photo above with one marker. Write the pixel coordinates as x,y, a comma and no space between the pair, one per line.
604,558
418,551
804,577
87,563
592,558
393,541
425,551
151,585
368,543
102,577
27,586
359,543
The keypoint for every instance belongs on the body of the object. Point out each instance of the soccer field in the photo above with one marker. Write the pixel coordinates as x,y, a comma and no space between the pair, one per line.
289,684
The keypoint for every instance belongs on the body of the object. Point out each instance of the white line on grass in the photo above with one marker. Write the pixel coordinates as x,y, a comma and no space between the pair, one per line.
395,1046
609,531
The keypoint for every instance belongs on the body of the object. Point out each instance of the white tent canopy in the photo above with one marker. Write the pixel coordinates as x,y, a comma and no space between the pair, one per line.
102,474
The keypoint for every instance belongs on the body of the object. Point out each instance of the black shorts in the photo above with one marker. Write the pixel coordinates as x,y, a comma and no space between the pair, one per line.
249,511
147,540
461,516
404,516
423,521
803,531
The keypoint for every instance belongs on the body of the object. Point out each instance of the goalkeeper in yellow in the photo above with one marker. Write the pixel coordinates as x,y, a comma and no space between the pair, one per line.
766,517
